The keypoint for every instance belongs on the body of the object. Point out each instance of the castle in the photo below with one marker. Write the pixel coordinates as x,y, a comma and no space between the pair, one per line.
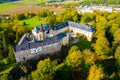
46,40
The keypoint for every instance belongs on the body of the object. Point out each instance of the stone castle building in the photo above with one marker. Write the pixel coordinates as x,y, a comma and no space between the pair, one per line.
46,40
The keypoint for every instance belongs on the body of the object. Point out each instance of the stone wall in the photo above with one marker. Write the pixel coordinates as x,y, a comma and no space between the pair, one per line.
88,34
28,55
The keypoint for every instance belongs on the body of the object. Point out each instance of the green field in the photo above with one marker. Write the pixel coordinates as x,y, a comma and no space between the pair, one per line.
32,22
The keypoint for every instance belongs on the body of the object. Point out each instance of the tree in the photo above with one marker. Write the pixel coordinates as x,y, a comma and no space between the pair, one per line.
5,40
102,22
74,59
1,55
73,48
11,54
26,14
59,18
114,28
112,16
117,57
88,17
17,38
45,70
67,17
51,20
43,14
19,33
21,30
95,73
102,46
89,57
75,18
20,16
117,36
100,32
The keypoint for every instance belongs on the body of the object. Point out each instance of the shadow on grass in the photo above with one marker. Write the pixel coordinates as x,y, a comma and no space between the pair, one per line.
82,44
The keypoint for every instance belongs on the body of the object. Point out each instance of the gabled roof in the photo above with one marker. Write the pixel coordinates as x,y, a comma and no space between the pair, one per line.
37,44
25,38
74,24
62,25
80,26
44,27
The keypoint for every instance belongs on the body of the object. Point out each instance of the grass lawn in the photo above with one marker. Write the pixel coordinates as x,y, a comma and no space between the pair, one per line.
7,68
32,22
82,44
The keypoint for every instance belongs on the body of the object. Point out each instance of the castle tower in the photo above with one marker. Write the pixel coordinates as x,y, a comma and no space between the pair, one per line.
41,34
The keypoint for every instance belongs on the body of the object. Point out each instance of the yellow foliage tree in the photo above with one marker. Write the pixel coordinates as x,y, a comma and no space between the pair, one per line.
89,57
95,73
74,59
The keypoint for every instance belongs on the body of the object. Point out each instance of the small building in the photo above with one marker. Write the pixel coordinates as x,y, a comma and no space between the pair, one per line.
91,9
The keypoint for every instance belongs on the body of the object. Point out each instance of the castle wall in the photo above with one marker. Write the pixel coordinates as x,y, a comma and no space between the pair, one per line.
35,52
86,33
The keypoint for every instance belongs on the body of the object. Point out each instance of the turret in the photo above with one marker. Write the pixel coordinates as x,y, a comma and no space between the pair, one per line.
41,34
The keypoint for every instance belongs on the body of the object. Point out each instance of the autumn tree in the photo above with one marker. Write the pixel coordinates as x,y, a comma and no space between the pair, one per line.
112,16
17,38
75,18
95,73
51,20
114,28
102,22
88,17
59,18
11,54
117,57
117,36
102,46
20,30
73,48
45,70
67,17
100,32
74,59
26,14
89,57
44,13
20,16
